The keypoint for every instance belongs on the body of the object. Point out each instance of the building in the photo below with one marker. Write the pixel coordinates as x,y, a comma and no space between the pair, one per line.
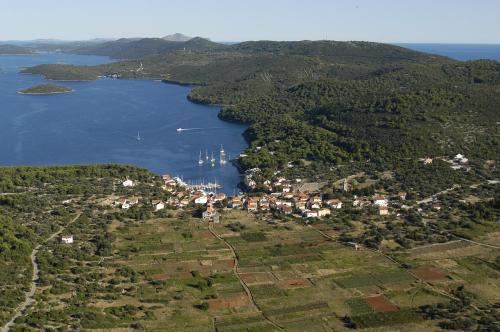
252,204
200,199
128,183
158,205
133,201
285,209
264,204
209,213
402,195
324,212
235,202
383,210
380,200
219,197
334,203
310,214
67,239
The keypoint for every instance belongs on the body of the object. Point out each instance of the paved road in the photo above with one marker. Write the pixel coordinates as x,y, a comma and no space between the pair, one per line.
29,295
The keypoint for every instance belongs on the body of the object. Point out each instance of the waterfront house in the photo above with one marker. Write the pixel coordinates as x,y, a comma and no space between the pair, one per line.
235,202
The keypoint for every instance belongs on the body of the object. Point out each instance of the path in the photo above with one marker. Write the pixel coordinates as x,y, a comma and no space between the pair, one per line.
29,295
243,284
431,198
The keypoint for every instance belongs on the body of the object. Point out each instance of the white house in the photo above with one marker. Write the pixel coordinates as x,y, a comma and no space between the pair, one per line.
334,203
383,210
125,206
310,214
201,200
67,239
159,206
380,200
324,212
128,183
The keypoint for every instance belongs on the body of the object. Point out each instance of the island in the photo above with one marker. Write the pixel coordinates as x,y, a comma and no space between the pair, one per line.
45,89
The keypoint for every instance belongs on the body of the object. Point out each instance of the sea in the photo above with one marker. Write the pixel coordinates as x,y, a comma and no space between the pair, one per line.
131,121
101,121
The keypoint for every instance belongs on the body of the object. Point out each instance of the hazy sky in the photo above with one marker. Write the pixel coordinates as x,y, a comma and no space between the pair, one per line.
465,21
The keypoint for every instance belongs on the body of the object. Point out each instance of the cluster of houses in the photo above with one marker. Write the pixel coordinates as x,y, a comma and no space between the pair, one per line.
459,161
282,199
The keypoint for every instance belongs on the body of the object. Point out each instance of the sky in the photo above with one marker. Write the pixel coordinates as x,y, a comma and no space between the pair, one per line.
412,21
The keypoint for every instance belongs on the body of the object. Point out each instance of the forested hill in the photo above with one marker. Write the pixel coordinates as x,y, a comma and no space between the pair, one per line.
137,48
332,102
14,49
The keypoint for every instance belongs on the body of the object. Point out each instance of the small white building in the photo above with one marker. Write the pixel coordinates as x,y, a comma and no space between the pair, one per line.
159,206
324,212
383,210
201,200
128,183
310,214
380,200
334,203
67,239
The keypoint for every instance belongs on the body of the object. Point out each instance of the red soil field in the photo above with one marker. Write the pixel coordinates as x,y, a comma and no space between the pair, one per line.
428,273
240,300
294,283
381,304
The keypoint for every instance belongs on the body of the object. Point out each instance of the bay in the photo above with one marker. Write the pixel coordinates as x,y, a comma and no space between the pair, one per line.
99,123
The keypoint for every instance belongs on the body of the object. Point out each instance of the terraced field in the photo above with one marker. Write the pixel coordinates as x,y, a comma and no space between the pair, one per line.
244,274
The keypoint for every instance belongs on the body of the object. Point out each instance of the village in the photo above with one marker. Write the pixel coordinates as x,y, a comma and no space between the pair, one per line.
294,199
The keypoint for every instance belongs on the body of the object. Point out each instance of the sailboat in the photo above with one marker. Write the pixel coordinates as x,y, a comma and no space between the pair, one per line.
222,155
213,159
138,136
200,160
206,154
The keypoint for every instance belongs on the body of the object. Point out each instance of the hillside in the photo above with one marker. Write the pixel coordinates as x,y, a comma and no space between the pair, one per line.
332,102
134,49
7,49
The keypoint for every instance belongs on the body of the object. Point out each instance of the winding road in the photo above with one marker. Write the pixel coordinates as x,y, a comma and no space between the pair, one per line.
29,295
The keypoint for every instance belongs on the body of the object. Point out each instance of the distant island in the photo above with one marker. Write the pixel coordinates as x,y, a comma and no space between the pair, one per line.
45,89
7,49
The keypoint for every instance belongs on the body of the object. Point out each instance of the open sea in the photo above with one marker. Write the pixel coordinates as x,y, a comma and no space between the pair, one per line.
100,121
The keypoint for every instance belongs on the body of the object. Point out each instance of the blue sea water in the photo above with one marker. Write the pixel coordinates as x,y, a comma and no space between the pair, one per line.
461,52
100,120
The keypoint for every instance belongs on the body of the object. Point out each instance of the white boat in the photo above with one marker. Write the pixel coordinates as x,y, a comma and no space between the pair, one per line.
138,136
222,155
213,159
206,154
179,130
200,160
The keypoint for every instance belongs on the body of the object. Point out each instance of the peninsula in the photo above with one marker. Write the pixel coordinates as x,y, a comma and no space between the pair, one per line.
45,89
